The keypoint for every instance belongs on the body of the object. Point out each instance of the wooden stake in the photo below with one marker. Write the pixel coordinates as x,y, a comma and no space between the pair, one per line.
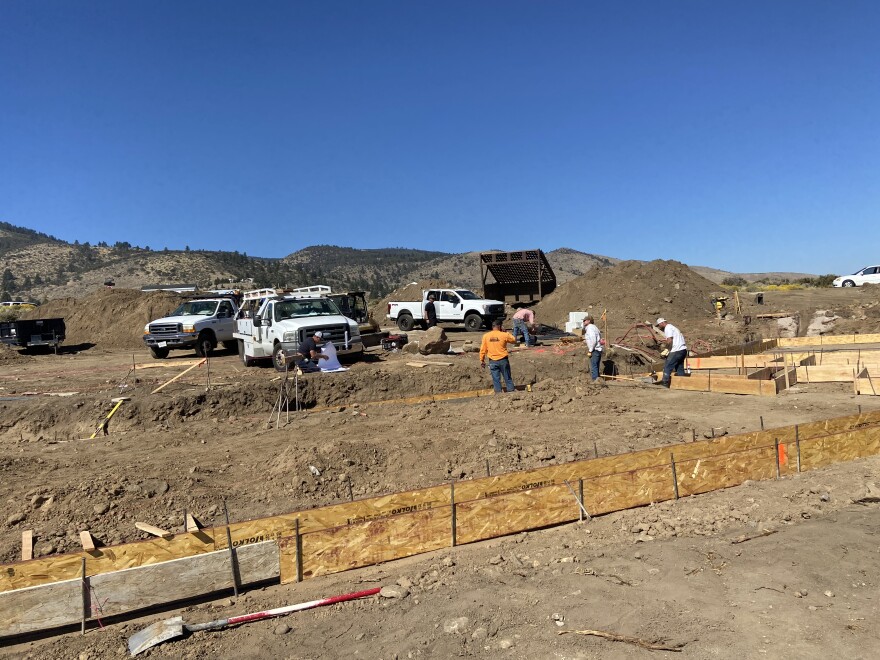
620,638
191,524
27,545
182,373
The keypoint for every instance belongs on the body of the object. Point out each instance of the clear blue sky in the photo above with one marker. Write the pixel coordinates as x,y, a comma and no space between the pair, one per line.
741,135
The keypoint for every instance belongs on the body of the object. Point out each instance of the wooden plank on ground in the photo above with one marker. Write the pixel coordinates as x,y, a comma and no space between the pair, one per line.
182,373
27,545
60,604
827,373
371,542
428,363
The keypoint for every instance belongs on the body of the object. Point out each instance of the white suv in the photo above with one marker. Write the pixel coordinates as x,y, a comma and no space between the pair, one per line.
869,275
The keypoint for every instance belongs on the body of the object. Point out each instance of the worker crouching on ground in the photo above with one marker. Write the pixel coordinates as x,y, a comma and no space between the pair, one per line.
494,346
677,348
593,340
311,353
523,320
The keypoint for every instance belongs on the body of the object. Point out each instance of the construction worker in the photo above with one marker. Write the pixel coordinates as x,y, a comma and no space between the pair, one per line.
677,348
593,340
494,346
522,321
430,312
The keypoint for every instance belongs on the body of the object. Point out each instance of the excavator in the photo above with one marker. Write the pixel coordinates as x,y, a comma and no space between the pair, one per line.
353,304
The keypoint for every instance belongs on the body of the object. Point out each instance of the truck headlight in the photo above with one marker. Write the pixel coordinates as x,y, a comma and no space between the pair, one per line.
290,335
147,329
189,328
354,332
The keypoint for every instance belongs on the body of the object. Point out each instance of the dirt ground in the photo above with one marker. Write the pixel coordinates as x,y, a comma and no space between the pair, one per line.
664,572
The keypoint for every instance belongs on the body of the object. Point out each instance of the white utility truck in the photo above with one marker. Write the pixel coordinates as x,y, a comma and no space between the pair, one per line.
271,325
451,305
200,323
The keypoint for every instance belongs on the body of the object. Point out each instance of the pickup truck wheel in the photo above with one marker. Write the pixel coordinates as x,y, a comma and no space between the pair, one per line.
278,358
848,283
205,345
158,353
473,322
405,322
247,361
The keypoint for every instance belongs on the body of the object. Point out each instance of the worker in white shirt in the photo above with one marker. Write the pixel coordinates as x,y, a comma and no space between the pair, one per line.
593,340
678,351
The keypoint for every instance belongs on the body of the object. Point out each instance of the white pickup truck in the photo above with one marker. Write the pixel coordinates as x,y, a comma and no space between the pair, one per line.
451,305
272,325
200,323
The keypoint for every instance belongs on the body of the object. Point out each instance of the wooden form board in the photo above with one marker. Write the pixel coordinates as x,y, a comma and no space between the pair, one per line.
68,602
828,374
637,479
733,362
836,357
828,340
868,386
56,568
725,384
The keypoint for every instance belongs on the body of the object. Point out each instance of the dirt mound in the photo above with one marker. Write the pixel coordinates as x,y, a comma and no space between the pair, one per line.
632,292
412,291
10,354
109,318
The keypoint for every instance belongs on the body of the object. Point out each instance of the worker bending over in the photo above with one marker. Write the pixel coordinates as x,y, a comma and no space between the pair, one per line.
523,320
677,348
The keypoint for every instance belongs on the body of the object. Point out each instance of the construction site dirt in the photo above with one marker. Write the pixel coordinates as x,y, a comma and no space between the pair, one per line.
782,568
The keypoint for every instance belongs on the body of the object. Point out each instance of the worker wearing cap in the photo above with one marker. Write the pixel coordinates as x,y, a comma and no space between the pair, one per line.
310,351
677,348
430,312
593,340
494,346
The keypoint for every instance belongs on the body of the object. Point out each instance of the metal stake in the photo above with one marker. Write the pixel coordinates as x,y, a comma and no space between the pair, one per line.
595,449
488,474
452,501
776,444
797,444
583,512
232,559
674,474
299,553
85,599
350,492
762,422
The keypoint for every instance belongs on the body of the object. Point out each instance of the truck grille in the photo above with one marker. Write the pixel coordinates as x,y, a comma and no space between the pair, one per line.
337,333
164,329
495,310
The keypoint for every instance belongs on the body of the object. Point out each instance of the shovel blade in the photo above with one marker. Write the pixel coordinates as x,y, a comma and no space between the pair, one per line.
155,634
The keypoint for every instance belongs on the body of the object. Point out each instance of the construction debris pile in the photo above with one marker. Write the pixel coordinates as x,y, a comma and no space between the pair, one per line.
633,292
108,318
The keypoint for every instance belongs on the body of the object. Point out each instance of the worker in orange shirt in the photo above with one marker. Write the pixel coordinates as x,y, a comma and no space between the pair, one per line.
494,346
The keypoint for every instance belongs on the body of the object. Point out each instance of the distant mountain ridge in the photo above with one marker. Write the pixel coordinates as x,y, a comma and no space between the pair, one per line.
36,266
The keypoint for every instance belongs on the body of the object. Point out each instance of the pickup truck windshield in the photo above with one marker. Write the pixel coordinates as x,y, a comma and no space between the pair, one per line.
467,295
196,308
291,309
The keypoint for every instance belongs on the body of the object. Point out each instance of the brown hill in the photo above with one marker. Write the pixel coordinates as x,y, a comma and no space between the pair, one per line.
632,292
108,318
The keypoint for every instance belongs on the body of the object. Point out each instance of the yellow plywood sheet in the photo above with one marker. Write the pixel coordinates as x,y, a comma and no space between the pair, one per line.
514,512
367,543
707,474
869,386
626,490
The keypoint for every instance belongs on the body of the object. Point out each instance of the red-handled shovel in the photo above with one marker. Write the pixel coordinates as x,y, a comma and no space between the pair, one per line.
162,631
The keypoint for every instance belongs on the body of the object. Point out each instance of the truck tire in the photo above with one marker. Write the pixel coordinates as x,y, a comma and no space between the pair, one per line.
278,358
405,322
246,361
158,353
206,343
473,322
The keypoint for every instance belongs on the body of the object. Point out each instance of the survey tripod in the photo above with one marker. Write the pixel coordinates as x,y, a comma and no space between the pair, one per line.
282,401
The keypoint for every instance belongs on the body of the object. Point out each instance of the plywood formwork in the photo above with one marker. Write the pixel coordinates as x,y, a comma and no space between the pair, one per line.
868,385
829,373
828,340
768,381
379,529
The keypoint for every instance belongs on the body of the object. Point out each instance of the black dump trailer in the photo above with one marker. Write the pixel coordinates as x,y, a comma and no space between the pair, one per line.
33,333
523,276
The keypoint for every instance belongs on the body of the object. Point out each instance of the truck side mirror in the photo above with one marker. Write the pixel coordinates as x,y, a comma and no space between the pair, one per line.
258,321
